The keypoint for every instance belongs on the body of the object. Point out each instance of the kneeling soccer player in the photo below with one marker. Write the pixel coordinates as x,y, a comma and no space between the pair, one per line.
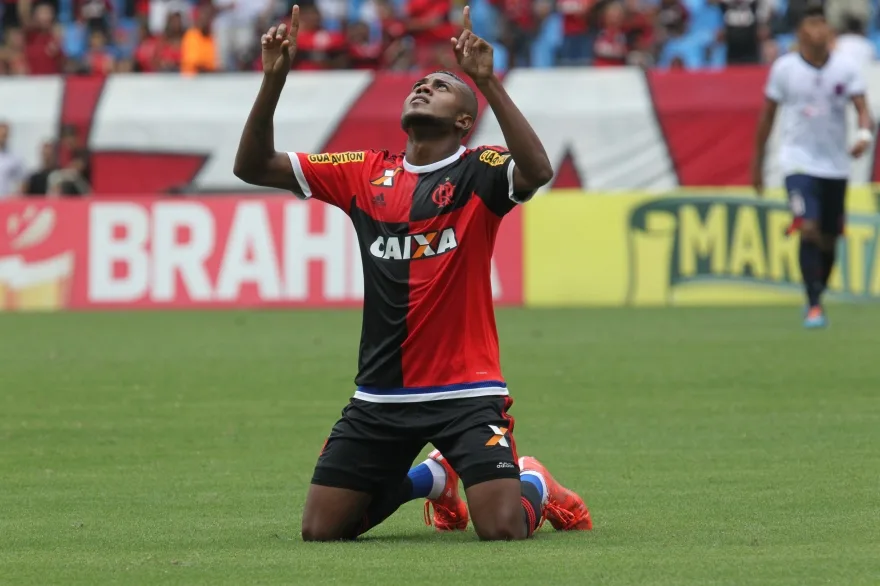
426,221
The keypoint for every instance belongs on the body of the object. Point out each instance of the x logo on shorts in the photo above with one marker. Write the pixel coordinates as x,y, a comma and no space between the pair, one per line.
498,439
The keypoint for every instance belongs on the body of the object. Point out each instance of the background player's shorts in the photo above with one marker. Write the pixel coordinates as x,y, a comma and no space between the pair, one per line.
373,445
819,199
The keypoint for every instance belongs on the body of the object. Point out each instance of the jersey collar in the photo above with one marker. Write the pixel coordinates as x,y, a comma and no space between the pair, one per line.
434,166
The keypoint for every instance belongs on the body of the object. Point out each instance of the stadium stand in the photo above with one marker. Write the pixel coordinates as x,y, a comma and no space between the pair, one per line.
99,37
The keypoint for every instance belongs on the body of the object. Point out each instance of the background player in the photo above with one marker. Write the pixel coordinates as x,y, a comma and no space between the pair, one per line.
429,371
814,85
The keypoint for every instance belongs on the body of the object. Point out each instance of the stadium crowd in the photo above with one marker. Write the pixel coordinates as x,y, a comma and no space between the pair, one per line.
99,37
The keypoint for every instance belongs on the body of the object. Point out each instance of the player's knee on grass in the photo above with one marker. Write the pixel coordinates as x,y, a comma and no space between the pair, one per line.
317,532
332,514
325,527
506,525
496,510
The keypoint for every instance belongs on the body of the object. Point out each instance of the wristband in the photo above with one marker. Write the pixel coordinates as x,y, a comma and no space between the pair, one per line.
865,135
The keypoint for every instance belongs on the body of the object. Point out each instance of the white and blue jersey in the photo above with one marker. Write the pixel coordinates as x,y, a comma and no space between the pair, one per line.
813,133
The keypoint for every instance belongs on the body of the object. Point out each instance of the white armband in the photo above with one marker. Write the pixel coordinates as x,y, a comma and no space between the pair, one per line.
865,135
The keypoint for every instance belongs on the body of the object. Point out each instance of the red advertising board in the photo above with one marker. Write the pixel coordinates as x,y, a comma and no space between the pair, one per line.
199,252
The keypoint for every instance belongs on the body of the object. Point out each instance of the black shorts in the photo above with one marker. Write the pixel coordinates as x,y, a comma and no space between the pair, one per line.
818,199
374,445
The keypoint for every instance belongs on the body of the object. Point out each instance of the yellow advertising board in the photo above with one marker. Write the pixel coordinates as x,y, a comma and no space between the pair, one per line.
690,247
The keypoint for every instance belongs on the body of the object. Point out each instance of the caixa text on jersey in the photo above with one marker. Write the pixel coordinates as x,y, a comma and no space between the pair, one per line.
414,246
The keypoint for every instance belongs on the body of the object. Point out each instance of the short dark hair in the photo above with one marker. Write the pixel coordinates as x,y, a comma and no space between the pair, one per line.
853,25
814,8
473,106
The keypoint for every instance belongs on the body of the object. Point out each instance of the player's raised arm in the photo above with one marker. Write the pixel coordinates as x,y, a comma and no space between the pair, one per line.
257,162
475,57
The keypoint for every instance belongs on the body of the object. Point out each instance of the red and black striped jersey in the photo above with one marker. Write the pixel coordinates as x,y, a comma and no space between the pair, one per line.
426,236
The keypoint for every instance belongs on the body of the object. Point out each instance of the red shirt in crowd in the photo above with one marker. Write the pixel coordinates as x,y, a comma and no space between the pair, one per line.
431,11
393,29
142,7
315,48
43,53
146,55
574,16
639,31
169,55
610,48
365,55
157,54
100,62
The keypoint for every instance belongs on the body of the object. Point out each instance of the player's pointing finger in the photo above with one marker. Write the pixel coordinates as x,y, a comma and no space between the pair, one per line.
294,21
467,19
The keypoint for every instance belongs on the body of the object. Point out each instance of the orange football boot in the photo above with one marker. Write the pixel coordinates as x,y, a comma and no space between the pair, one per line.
565,510
450,511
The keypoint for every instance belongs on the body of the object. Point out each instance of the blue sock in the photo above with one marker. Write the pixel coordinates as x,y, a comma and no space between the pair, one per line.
537,481
428,480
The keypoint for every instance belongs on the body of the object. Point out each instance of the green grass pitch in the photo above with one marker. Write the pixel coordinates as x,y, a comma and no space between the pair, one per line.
714,446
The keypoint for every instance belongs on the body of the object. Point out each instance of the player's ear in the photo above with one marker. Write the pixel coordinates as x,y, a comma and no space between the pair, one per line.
464,123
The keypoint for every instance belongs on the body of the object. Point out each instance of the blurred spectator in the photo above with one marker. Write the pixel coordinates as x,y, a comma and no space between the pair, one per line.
72,179
853,43
198,51
9,17
160,52
576,42
99,58
362,53
672,20
611,47
393,27
639,32
42,38
146,54
70,141
160,10
167,55
367,12
333,11
37,182
429,24
520,21
13,60
171,42
316,47
94,14
134,8
235,29
745,27
11,167
397,54
839,12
